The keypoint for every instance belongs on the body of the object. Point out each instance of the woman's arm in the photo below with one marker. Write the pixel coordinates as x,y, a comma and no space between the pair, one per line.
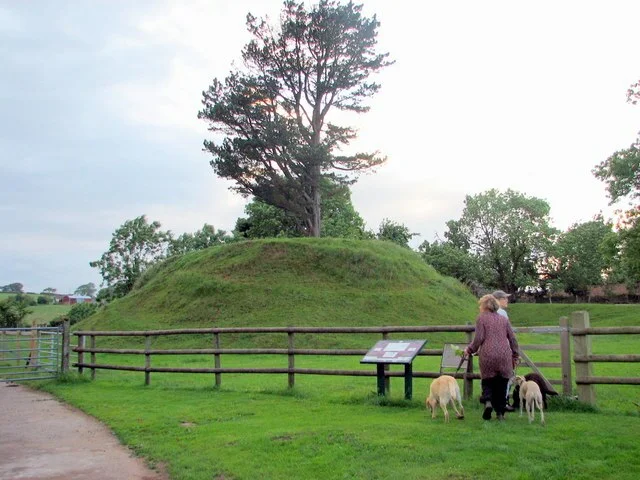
478,338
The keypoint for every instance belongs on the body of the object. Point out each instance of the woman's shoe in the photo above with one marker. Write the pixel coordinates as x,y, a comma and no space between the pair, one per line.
488,409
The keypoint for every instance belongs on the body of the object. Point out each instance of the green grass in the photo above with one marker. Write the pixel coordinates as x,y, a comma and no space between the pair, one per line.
290,281
336,427
43,314
331,427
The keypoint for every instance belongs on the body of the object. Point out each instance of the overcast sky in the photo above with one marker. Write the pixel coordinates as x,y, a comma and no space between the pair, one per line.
98,103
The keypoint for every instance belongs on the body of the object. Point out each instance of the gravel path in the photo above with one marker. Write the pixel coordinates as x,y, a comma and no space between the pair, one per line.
44,439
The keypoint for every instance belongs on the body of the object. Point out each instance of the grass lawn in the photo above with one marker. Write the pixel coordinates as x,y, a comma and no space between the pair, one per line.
331,427
336,427
43,314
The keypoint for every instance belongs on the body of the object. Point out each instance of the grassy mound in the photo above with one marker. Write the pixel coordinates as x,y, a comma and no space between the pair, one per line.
281,282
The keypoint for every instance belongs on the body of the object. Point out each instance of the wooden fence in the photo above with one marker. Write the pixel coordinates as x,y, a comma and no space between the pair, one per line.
291,352
580,330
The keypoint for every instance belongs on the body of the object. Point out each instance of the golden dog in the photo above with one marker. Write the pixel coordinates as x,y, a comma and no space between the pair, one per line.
443,390
531,394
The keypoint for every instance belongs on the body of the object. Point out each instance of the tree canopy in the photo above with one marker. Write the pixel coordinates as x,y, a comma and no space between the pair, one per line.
508,231
206,237
453,261
12,288
88,289
395,232
134,246
579,256
339,217
621,174
278,141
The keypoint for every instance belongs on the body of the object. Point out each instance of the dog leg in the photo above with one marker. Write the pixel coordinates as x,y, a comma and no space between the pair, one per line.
455,408
446,412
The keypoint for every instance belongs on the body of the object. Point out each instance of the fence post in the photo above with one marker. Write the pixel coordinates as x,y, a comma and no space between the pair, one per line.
565,356
18,347
216,357
65,345
386,367
80,354
582,347
34,354
92,345
292,364
467,387
147,359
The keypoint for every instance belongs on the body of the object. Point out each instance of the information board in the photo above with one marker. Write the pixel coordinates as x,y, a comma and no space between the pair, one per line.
394,351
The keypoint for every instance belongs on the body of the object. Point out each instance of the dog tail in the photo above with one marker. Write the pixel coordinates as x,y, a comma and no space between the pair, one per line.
454,390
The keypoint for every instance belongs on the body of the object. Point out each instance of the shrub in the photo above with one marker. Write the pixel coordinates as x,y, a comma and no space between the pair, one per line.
26,300
80,311
42,300
12,313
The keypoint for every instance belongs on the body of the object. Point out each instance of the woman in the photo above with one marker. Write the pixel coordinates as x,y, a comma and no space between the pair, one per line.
497,349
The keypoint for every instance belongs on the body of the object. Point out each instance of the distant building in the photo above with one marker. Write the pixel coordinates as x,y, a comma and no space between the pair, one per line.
73,299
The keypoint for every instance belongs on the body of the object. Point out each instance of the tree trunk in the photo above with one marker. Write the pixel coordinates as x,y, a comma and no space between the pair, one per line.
314,231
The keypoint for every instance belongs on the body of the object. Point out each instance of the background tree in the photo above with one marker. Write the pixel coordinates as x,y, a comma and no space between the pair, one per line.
279,143
49,291
453,261
395,232
580,259
88,289
265,221
339,217
206,237
12,288
622,249
508,231
621,174
134,246
12,313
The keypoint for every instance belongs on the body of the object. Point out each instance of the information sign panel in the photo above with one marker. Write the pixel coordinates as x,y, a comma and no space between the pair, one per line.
394,351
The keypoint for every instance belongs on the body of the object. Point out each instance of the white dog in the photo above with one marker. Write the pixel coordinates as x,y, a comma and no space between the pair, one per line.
531,394
443,390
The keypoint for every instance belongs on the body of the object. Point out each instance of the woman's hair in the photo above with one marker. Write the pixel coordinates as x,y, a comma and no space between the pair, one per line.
488,303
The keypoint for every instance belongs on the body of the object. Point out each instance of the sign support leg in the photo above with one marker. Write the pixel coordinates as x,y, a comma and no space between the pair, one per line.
380,369
408,381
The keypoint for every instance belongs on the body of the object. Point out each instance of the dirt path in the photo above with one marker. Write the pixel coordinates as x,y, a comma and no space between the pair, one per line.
44,439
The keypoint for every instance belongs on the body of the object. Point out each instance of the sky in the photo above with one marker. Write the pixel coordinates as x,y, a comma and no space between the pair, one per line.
99,102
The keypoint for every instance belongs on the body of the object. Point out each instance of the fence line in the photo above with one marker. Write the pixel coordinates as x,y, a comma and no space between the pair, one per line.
291,351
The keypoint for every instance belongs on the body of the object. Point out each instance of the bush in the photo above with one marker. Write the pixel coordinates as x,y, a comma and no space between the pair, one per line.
56,322
26,300
12,313
42,300
80,311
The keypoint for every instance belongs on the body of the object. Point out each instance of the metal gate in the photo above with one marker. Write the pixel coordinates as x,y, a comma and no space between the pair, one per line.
30,353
